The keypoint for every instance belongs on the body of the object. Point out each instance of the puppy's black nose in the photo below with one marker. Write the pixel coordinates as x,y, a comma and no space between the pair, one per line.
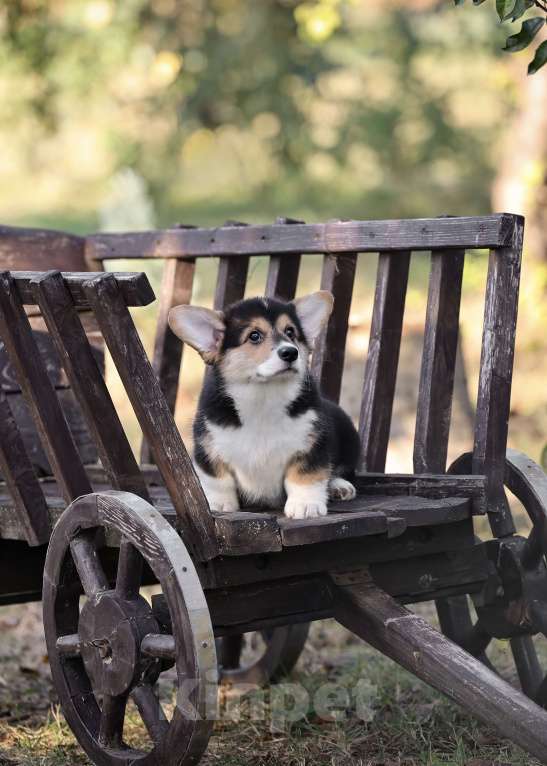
288,353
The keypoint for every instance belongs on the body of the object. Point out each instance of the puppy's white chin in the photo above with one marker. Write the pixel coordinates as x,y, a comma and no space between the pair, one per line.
279,375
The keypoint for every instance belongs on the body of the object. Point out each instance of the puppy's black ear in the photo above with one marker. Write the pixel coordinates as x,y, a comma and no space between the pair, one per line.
201,328
313,312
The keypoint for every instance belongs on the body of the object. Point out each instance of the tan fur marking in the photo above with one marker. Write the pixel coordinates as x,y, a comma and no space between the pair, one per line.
284,321
297,474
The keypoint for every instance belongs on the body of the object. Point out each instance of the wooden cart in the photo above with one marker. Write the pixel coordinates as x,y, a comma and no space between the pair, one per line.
112,527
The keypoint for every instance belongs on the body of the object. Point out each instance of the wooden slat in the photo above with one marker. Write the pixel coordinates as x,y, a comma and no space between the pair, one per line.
337,276
154,416
232,274
496,371
22,483
424,485
231,281
87,382
134,286
241,533
282,276
39,393
333,527
40,249
417,511
334,237
383,359
438,362
176,289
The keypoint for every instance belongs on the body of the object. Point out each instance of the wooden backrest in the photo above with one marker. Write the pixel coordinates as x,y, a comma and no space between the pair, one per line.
340,242
60,297
25,249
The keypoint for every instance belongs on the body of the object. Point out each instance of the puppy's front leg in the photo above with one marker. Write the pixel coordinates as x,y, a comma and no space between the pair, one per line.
307,491
220,488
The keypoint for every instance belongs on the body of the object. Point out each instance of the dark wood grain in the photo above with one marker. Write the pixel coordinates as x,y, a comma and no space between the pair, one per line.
134,287
22,483
87,382
176,289
153,414
495,376
40,249
334,237
231,281
39,393
438,361
382,359
282,276
424,485
337,277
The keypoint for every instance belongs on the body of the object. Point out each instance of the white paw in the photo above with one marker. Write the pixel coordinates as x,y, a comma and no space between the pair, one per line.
340,489
226,504
296,509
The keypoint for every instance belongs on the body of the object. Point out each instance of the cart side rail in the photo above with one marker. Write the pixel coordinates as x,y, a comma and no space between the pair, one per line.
59,297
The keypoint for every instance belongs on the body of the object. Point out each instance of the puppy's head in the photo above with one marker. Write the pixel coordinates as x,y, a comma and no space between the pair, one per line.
259,339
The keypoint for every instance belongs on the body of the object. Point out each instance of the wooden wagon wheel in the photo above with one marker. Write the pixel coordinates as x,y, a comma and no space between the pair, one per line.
280,650
110,650
517,605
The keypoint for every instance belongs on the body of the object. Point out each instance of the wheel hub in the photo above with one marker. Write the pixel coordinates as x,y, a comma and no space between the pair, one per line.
111,631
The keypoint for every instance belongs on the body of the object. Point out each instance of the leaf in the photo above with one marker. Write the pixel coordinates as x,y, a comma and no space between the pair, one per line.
539,59
519,9
478,2
528,31
503,7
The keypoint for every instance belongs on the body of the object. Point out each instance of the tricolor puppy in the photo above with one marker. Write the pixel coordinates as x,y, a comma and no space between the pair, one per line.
263,435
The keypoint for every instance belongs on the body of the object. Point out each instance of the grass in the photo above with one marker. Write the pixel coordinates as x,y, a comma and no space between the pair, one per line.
399,721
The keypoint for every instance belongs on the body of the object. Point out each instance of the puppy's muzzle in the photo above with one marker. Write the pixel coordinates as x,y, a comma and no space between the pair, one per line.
288,354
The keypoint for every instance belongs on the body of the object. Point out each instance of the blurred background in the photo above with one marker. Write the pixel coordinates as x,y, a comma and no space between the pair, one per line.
146,113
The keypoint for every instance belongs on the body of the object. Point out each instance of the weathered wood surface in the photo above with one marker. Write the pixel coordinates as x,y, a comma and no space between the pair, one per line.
28,498
282,276
438,362
327,365
40,249
335,237
87,382
405,637
40,395
153,414
424,485
76,423
382,358
134,286
495,376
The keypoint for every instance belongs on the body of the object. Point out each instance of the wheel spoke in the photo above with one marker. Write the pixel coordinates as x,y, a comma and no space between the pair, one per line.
150,711
90,570
69,645
159,646
528,667
229,653
129,575
112,719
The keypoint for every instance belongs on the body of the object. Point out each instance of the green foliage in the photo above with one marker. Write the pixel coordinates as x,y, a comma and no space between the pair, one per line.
232,108
513,10
539,59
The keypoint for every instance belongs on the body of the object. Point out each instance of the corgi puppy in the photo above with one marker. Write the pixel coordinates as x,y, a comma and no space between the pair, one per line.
263,435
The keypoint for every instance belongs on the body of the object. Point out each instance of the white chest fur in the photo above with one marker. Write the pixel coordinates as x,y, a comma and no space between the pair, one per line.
258,452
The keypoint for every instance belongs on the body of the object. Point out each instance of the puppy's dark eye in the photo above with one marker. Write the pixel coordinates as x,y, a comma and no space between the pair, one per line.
290,333
255,336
